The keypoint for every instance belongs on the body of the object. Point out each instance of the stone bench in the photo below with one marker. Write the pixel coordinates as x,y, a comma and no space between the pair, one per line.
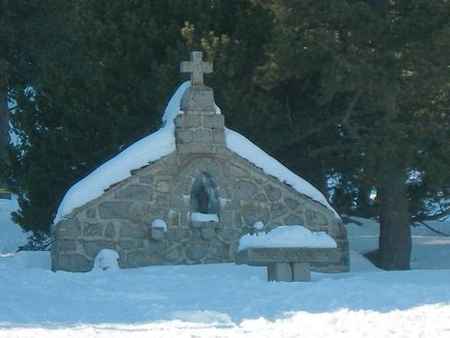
283,264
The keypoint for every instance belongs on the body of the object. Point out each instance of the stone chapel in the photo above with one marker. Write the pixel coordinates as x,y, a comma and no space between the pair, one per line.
194,203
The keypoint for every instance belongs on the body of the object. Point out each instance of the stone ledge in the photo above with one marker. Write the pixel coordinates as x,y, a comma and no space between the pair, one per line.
266,256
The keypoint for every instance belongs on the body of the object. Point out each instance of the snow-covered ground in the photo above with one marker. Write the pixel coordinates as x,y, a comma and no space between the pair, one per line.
226,300
429,251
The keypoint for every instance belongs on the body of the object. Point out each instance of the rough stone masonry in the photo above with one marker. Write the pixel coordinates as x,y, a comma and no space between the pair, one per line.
201,177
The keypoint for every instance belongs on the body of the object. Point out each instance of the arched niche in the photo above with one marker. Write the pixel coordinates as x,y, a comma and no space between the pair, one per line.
204,196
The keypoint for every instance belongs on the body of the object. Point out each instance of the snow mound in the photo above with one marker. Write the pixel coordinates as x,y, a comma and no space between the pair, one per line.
11,235
162,143
107,259
288,236
25,260
159,224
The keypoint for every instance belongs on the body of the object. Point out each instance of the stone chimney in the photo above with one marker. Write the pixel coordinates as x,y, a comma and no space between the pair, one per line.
201,128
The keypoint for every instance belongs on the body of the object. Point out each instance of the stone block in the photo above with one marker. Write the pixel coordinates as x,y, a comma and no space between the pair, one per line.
136,259
174,255
67,245
74,263
226,218
321,219
208,233
110,231
91,213
203,136
201,224
130,230
254,212
218,136
163,186
173,218
114,209
147,179
279,272
291,203
92,248
69,228
162,201
218,252
237,219
198,99
195,148
300,272
294,219
135,192
156,248
93,230
272,192
229,234
183,136
197,251
158,233
261,198
237,171
245,190
139,212
178,234
215,121
188,121
277,210
127,244
310,218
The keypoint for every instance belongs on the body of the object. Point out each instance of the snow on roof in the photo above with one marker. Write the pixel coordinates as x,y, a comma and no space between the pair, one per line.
162,143
137,155
288,236
248,150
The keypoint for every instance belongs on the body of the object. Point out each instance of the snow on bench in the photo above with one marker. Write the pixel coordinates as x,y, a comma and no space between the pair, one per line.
201,217
287,251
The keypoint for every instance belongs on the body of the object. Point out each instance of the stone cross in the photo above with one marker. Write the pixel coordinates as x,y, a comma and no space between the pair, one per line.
197,67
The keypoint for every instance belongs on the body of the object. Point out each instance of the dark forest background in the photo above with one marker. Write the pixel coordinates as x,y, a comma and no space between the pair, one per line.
353,95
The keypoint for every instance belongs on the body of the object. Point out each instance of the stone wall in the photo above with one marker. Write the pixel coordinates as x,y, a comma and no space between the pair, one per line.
121,218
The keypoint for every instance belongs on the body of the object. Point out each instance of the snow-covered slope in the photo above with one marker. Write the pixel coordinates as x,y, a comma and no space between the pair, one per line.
11,235
162,143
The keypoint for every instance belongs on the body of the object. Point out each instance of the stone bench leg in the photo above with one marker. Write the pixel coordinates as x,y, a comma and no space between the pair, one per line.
301,272
288,272
279,272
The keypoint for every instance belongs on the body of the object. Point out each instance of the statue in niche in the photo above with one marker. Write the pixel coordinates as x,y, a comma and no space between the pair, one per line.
204,197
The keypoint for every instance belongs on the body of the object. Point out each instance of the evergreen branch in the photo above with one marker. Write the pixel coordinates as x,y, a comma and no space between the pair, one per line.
433,229
348,114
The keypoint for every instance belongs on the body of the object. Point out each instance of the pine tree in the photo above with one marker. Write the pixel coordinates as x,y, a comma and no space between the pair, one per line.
102,79
378,71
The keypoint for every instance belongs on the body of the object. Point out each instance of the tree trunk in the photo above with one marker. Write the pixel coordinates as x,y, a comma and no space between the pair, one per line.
4,111
4,121
395,233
